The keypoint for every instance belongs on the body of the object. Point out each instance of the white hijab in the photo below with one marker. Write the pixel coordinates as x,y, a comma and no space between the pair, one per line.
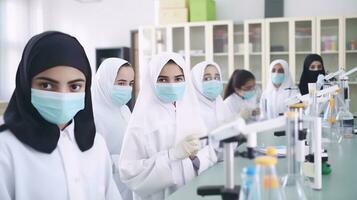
149,107
209,108
287,83
110,119
154,128
272,102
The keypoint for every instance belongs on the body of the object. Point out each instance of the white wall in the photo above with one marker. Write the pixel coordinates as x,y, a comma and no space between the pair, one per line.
239,10
19,20
105,23
297,8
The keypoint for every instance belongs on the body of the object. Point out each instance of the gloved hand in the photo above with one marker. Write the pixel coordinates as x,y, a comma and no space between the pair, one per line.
320,81
245,113
187,147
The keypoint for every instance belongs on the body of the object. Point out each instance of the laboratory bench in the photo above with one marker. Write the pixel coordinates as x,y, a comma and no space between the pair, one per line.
340,184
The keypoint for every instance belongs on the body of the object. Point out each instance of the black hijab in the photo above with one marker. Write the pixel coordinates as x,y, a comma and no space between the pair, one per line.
308,76
43,52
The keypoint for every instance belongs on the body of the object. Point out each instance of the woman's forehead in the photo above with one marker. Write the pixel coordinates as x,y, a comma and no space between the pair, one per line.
61,73
171,69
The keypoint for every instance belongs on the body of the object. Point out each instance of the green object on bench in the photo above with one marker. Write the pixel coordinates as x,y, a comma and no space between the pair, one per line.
326,169
202,10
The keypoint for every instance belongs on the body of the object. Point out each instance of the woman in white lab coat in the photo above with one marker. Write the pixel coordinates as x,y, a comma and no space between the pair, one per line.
242,96
161,150
49,148
280,87
207,80
111,90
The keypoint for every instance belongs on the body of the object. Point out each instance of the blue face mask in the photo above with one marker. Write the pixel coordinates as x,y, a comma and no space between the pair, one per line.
249,94
211,89
277,78
121,94
56,107
170,92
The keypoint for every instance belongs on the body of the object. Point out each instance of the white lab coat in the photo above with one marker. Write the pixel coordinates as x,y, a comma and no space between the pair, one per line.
66,173
156,127
214,112
236,104
273,99
110,119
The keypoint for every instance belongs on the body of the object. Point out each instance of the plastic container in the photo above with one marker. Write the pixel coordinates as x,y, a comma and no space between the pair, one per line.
266,184
247,175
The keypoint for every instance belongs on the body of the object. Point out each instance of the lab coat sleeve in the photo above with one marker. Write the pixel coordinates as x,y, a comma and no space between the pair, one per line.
112,192
144,175
207,157
6,175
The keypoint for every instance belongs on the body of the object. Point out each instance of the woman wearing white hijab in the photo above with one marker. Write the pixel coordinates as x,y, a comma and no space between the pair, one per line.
207,80
279,88
161,150
111,90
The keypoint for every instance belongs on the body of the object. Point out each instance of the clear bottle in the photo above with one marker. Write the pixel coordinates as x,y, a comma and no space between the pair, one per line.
293,182
266,184
345,121
329,121
247,175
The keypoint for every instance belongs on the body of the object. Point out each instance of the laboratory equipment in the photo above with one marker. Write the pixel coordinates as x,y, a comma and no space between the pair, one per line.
344,116
248,174
293,182
342,82
329,120
340,73
229,191
266,184
320,95
230,131
228,134
345,121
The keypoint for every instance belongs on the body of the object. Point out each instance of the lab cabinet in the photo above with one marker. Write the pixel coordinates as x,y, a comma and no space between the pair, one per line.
253,44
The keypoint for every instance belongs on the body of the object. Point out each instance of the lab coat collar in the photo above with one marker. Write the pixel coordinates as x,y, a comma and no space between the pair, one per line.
68,131
235,95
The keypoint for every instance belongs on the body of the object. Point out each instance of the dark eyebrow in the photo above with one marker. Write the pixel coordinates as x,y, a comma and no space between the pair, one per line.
177,76
47,79
207,74
122,80
163,77
76,80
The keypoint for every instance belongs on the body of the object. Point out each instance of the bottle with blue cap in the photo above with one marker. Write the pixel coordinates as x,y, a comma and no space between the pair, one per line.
247,175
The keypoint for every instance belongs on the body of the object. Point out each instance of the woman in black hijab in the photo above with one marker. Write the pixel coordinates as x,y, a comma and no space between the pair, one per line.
313,66
48,133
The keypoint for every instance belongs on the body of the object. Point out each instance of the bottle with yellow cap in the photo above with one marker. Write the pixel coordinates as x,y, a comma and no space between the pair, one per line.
293,184
266,185
272,151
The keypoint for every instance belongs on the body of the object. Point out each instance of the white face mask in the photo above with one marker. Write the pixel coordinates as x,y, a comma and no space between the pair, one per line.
56,107
121,94
170,92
